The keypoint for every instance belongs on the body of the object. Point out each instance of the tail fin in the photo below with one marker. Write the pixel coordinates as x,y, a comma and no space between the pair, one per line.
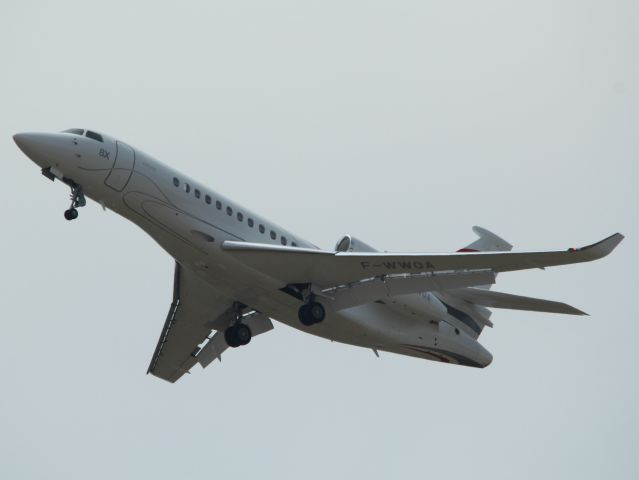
473,317
487,242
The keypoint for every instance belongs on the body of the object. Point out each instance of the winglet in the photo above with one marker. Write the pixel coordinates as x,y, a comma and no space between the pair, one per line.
601,248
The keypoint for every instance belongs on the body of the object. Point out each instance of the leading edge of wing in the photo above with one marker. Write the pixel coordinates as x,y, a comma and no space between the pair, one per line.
327,268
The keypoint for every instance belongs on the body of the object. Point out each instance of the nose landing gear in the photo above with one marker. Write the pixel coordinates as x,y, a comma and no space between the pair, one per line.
71,214
77,201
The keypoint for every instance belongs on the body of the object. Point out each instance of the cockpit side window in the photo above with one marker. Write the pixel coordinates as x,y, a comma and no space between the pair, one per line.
75,131
94,136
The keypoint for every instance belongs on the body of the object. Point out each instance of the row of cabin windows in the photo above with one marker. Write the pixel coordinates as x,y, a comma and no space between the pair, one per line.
229,212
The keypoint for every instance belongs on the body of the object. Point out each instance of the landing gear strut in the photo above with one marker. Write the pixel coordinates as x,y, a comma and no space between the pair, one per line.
77,201
238,333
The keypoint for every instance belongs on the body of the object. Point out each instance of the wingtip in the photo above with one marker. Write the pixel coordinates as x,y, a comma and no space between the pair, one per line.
605,246
570,310
612,241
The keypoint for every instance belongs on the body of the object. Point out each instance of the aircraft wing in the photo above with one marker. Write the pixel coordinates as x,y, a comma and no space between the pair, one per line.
194,312
326,269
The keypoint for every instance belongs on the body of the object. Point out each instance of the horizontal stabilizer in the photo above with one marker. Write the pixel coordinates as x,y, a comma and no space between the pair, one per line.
487,298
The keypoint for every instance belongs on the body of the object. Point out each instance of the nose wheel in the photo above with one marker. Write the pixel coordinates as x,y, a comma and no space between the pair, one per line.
71,214
77,201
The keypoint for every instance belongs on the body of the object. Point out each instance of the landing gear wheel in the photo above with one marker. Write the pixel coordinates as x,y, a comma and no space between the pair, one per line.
237,335
71,214
77,200
304,317
311,313
242,333
316,311
230,338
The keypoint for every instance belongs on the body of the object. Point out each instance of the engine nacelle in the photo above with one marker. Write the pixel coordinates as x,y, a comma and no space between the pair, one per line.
351,244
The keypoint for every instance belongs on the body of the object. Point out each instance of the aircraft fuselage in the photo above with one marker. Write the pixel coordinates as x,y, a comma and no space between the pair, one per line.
191,222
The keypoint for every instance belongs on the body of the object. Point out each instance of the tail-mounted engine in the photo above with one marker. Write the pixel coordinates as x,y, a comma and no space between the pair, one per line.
352,244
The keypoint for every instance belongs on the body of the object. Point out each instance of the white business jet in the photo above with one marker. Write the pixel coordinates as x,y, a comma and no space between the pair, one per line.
235,270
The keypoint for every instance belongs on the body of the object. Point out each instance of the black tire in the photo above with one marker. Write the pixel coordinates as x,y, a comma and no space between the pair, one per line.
243,334
237,335
304,315
316,311
229,336
311,313
71,214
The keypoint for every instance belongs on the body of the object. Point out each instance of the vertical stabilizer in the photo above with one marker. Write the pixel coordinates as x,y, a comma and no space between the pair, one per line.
487,242
474,317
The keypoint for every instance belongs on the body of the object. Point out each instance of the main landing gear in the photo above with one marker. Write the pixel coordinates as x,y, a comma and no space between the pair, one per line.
238,333
311,313
77,201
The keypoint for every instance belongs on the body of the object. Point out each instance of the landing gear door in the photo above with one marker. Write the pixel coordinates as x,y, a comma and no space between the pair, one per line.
122,167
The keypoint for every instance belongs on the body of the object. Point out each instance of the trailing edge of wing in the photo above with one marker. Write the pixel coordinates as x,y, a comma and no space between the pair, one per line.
327,269
488,298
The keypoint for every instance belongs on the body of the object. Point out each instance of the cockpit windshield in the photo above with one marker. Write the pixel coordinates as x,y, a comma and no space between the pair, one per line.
75,131
94,136
86,133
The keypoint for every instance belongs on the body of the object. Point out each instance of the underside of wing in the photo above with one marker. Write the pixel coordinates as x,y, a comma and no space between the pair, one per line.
194,312
327,269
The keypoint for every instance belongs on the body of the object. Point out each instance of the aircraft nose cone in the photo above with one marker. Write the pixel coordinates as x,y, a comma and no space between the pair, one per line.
24,140
44,149
32,144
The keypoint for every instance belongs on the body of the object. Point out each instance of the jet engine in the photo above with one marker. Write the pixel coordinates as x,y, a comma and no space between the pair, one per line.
351,244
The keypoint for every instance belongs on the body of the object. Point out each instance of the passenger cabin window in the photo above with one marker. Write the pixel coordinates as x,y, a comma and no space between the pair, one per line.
94,136
262,229
197,193
176,182
187,187
283,240
229,211
273,235
207,199
218,205
240,217
293,244
75,131
250,222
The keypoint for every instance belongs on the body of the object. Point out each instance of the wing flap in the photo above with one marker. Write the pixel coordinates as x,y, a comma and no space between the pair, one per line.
328,269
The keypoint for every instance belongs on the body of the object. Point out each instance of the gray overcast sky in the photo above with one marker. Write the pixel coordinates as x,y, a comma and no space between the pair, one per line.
404,123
